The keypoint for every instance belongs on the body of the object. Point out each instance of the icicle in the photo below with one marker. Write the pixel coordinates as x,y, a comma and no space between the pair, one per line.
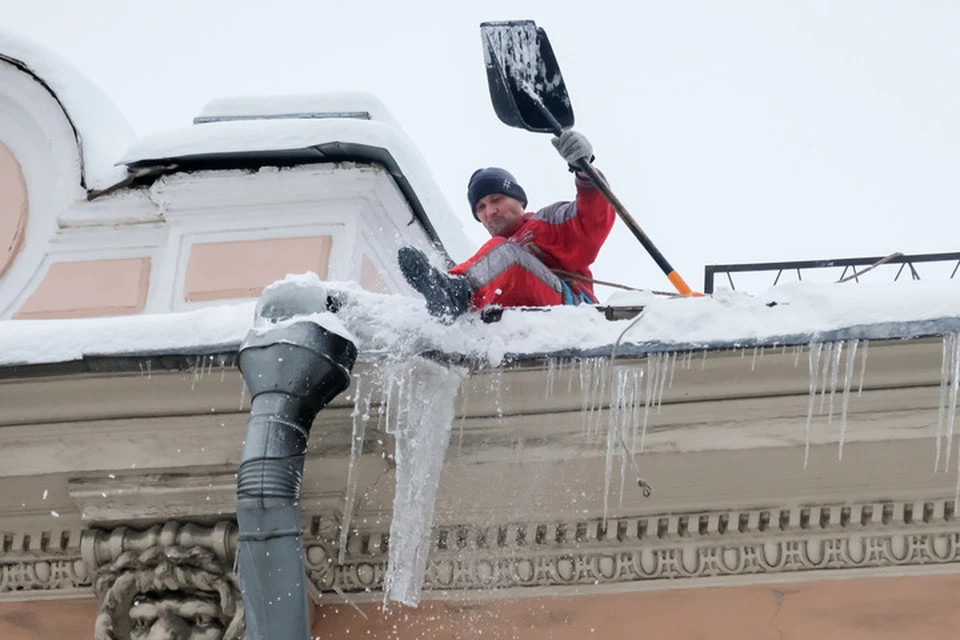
954,380
664,359
827,359
753,361
604,371
815,349
944,385
628,389
360,415
703,361
585,386
847,381
635,408
243,394
673,368
834,375
653,372
863,366
425,413
612,426
551,375
195,371
797,350
388,401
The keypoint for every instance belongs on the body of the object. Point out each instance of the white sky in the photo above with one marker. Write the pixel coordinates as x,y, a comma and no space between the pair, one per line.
733,131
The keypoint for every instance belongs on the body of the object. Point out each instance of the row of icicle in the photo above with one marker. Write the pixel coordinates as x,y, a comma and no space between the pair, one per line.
631,393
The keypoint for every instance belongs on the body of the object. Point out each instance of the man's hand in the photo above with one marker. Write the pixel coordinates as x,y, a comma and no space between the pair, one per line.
573,146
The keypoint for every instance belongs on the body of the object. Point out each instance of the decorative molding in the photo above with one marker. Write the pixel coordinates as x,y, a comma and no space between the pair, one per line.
48,564
100,547
696,548
691,547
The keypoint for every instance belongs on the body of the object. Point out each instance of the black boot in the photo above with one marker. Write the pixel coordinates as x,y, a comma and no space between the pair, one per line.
447,296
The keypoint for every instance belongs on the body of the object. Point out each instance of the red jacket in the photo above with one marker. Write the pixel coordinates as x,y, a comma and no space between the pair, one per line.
564,235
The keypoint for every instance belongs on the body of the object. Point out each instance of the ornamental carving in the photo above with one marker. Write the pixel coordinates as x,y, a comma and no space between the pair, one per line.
172,581
49,562
192,563
670,547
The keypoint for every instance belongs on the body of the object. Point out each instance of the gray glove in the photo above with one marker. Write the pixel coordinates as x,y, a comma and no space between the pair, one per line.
573,146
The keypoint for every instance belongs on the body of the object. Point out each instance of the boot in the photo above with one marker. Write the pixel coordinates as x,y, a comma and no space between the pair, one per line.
447,296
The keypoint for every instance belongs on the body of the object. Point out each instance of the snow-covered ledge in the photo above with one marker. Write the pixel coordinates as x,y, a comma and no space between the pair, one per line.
788,315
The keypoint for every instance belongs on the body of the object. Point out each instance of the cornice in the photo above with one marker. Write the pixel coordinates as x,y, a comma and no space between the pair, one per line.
704,548
662,551
43,565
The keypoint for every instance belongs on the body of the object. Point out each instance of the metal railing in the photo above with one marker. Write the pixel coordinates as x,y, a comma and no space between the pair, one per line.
848,264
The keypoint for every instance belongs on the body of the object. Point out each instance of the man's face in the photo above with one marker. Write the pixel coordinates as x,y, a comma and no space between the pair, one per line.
499,213
169,617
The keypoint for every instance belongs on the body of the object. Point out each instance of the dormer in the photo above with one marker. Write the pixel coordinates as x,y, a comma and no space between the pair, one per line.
254,189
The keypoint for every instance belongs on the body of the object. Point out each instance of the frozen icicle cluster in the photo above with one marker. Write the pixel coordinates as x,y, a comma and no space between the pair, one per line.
625,401
423,396
826,362
362,398
629,393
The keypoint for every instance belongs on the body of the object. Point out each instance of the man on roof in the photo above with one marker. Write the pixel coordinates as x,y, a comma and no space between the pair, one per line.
539,258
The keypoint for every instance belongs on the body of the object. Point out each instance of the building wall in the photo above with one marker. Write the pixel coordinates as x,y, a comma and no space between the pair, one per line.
924,608
48,619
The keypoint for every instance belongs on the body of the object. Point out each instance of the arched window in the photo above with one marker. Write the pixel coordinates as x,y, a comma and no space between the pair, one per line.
13,207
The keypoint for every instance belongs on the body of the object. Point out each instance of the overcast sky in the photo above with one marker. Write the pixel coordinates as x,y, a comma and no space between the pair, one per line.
734,131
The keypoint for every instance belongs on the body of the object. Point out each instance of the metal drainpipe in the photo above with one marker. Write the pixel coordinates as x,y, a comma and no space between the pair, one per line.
292,372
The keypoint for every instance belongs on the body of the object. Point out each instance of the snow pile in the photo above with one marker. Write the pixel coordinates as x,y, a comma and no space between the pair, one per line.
383,325
102,130
208,330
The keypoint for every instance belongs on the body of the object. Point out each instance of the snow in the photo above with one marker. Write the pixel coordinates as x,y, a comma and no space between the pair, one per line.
516,54
299,105
282,134
104,132
801,313
208,330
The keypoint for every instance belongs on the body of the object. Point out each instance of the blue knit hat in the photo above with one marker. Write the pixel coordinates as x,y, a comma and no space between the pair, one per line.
483,182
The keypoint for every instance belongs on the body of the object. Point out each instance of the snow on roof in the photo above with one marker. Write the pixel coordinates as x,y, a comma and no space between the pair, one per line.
298,106
392,324
291,123
102,130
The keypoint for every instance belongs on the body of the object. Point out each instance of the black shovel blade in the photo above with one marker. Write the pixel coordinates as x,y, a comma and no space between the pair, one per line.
524,76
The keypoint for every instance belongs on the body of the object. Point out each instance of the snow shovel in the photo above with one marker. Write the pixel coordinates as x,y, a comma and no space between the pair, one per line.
528,92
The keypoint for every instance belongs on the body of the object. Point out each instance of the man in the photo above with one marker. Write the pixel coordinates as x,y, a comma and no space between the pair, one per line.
532,259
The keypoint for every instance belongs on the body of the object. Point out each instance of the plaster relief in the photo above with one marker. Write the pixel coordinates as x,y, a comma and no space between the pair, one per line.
173,581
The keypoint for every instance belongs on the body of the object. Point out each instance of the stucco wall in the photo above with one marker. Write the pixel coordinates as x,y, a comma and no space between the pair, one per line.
919,608
865,609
